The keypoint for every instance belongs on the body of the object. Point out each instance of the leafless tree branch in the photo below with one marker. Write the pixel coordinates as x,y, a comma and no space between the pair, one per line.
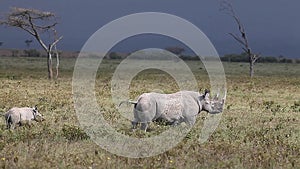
238,39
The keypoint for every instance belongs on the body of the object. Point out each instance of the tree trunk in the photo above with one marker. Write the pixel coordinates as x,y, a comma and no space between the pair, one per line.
57,61
49,64
57,65
251,68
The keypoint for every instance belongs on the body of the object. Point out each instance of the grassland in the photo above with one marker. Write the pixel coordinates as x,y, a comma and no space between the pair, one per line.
259,128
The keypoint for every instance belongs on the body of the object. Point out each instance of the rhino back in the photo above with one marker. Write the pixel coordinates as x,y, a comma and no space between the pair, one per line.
20,114
194,95
26,113
185,107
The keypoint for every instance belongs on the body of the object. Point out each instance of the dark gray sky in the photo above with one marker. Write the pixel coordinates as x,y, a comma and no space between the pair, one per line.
273,26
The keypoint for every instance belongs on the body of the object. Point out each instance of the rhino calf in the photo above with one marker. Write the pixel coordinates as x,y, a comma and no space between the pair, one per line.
174,108
19,116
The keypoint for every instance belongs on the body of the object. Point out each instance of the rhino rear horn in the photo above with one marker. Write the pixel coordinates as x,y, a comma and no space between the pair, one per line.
216,96
224,98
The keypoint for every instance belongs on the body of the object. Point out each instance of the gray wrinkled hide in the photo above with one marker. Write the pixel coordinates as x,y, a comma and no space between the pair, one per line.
18,116
175,108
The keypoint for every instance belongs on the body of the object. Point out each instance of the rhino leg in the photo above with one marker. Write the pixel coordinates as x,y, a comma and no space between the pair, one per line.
190,121
8,125
175,123
9,122
134,124
144,126
172,122
25,123
22,123
12,126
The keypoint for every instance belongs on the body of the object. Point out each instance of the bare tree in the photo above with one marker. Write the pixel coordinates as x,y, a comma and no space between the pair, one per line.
36,23
242,38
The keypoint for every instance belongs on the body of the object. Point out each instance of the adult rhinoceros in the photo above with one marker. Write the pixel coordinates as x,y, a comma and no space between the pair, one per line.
182,106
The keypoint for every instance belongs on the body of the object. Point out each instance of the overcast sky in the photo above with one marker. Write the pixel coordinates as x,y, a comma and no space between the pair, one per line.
273,26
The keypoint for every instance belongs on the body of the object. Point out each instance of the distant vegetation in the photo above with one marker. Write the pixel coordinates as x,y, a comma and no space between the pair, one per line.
243,57
263,59
118,55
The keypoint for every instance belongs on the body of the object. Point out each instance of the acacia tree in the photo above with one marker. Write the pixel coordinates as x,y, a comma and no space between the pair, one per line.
242,38
36,23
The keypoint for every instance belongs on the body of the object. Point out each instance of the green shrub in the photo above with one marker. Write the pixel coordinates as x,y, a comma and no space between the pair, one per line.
74,133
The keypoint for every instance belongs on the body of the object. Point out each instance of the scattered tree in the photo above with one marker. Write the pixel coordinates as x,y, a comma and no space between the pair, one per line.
175,49
242,37
36,23
15,53
32,53
1,43
114,55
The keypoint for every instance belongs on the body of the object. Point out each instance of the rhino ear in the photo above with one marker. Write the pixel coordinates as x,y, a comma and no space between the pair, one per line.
206,91
206,94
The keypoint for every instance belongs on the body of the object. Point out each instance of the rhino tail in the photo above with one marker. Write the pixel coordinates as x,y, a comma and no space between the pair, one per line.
128,102
132,102
8,120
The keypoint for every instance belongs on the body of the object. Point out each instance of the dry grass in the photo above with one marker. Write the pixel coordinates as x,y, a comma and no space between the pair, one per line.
259,129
